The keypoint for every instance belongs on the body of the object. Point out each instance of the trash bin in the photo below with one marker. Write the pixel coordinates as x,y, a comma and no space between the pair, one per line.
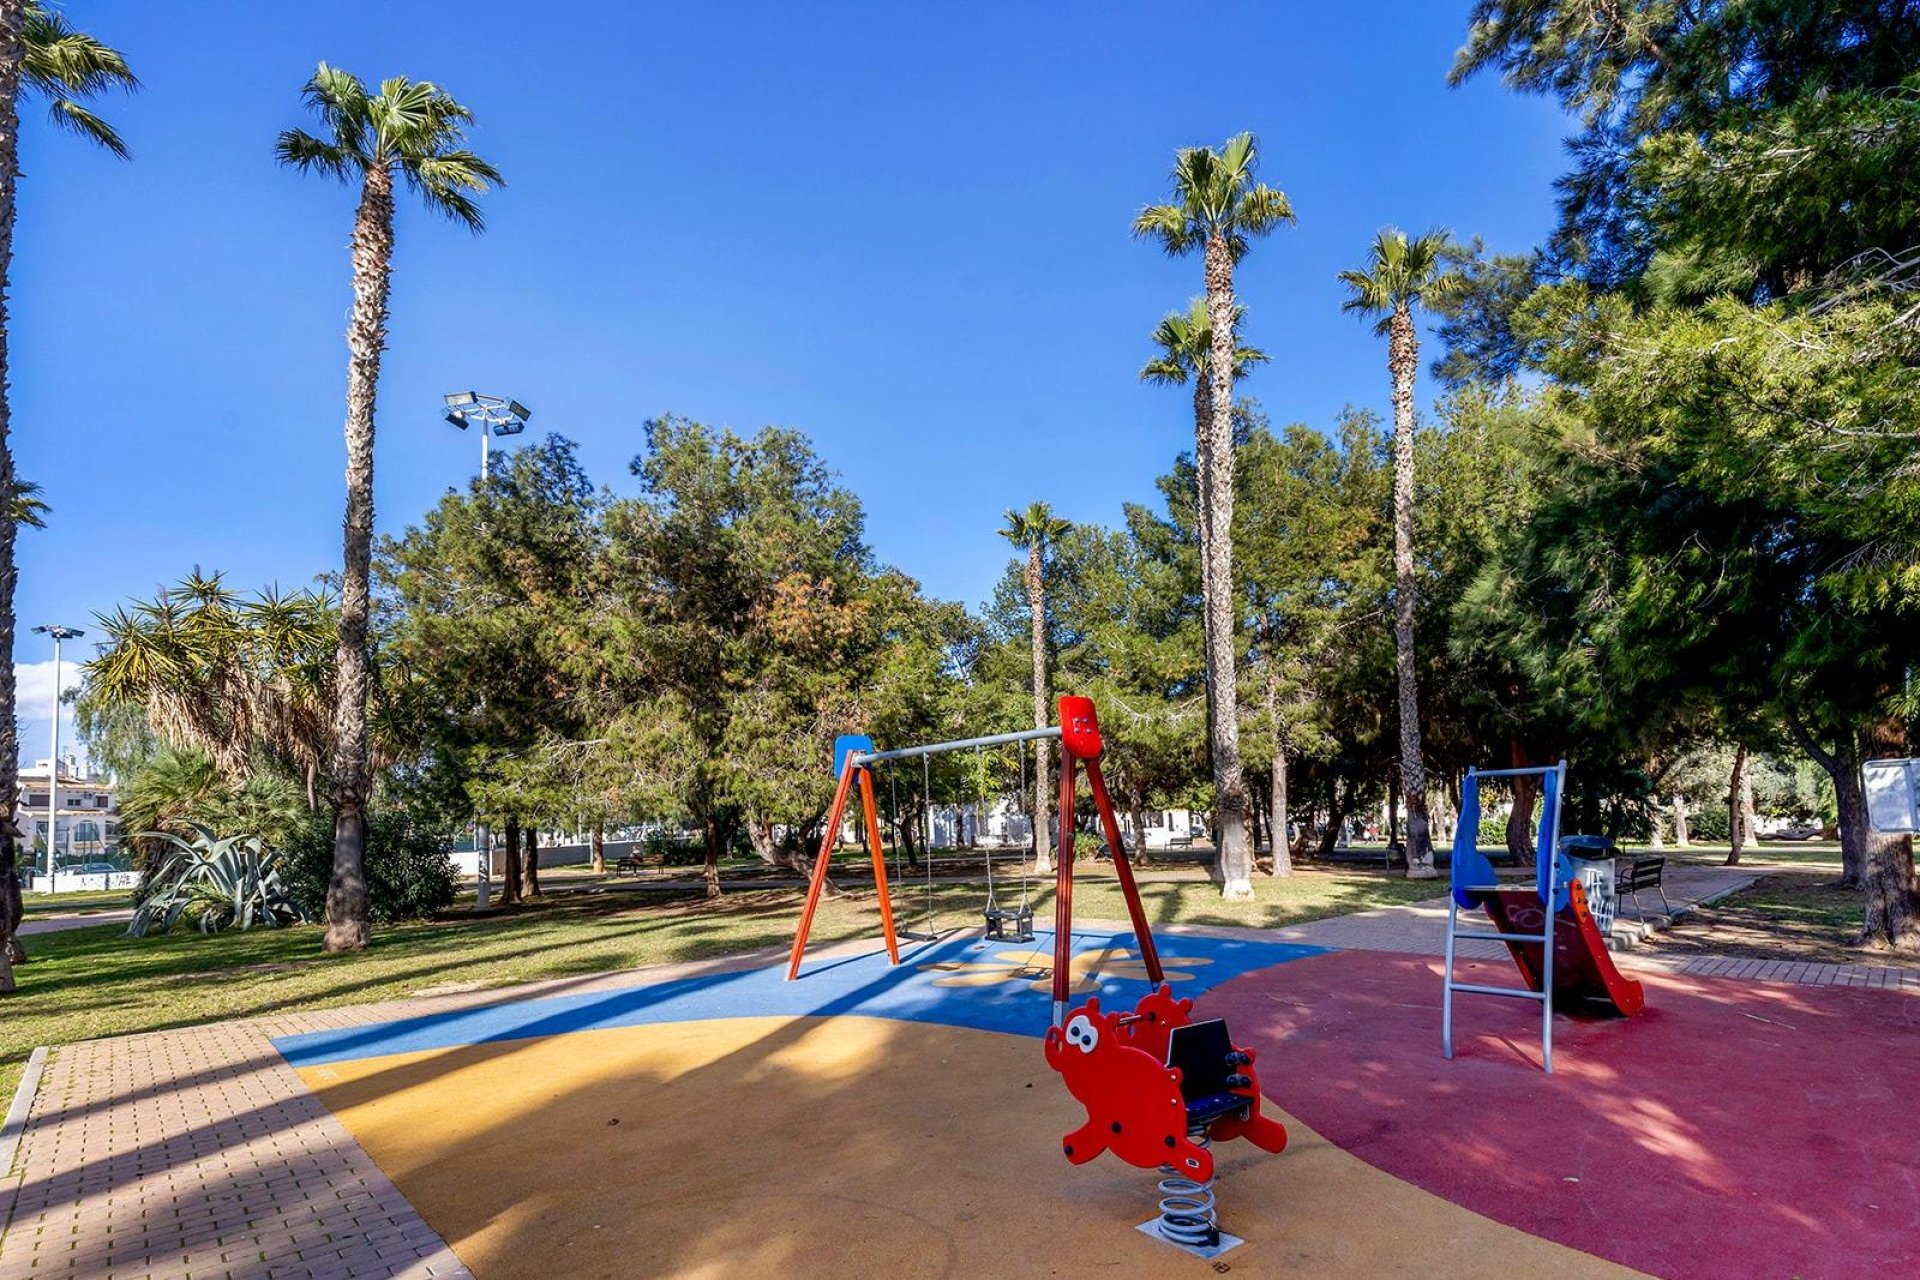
1592,858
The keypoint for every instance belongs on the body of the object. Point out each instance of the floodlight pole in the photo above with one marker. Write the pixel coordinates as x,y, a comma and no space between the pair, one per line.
58,633
496,416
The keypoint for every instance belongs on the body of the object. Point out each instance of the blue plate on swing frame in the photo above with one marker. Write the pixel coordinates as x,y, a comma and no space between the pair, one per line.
849,742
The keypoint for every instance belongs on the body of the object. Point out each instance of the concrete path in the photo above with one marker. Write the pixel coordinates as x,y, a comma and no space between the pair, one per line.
57,924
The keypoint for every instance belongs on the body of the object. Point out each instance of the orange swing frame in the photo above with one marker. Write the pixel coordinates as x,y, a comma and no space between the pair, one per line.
1080,748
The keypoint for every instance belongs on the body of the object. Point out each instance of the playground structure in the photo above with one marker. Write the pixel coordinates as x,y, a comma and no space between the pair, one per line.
1548,929
1157,1087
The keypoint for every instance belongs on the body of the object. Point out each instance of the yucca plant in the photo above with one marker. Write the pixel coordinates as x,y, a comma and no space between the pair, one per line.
216,883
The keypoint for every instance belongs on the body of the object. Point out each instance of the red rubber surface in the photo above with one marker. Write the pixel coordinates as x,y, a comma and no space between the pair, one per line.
1731,1129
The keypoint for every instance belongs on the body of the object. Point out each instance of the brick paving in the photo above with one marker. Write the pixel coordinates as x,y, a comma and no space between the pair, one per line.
200,1153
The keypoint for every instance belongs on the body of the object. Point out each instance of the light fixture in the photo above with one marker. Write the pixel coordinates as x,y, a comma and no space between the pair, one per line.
460,399
457,418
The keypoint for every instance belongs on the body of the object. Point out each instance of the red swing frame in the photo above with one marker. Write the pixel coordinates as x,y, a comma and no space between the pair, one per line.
1080,748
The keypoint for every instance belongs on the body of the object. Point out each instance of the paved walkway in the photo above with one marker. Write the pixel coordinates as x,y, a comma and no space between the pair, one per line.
79,920
200,1152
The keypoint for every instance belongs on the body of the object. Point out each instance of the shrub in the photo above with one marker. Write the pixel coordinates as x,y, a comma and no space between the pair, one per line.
1708,824
409,873
214,883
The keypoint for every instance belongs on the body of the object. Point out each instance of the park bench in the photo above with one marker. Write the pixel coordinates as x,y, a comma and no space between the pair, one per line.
1642,873
630,864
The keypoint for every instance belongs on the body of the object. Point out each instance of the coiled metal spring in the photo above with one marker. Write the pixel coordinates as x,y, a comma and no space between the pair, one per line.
1187,1213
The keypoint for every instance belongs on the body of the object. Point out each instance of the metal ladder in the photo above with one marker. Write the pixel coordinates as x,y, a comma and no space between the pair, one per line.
1545,938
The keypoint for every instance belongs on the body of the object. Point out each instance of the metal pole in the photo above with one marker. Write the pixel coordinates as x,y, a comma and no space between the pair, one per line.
53,762
483,452
483,866
935,748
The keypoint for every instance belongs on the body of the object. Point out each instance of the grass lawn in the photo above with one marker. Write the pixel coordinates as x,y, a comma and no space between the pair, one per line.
90,982
1792,913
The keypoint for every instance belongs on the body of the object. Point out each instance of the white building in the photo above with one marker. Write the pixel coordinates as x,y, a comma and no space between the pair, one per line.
86,827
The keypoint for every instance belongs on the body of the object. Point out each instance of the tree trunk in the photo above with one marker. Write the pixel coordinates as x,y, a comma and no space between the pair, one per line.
1277,815
1682,839
760,836
1749,816
510,880
366,338
1336,818
1138,810
12,51
1234,864
1037,617
1393,810
1842,765
1403,359
1203,510
1520,819
530,863
599,854
714,839
1657,827
1887,874
1736,815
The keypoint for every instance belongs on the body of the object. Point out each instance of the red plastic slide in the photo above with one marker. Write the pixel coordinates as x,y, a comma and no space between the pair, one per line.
1582,967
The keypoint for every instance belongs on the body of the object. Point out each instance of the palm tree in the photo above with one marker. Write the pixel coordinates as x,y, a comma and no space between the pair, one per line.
1400,273
1218,207
29,508
244,681
413,129
39,54
1185,342
1036,529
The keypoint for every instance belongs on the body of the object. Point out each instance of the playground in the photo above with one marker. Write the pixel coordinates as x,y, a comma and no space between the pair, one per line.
1061,1101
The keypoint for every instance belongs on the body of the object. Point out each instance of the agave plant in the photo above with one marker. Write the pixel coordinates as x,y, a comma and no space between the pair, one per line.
216,882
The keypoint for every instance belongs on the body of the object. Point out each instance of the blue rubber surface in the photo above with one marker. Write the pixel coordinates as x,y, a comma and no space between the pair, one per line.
863,985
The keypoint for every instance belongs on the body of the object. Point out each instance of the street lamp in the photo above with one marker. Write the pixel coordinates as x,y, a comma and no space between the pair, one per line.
53,762
495,416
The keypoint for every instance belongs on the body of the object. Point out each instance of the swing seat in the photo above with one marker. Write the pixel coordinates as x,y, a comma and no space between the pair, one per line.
1000,918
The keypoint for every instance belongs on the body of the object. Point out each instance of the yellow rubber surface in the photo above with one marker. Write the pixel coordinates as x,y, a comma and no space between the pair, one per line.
847,1146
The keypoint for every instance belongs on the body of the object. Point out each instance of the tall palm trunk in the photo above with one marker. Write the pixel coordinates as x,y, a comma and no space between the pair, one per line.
1403,360
12,51
1234,865
366,339
1037,612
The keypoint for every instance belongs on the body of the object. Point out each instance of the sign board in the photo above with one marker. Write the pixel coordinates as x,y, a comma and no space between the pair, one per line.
1893,796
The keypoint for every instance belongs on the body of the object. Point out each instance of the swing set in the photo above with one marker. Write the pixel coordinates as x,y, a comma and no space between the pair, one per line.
1157,1086
1003,924
1080,746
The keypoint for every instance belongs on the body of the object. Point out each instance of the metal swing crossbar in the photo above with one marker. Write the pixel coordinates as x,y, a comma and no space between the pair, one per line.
1080,748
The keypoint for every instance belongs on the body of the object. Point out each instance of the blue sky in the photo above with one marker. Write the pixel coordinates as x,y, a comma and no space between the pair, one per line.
901,229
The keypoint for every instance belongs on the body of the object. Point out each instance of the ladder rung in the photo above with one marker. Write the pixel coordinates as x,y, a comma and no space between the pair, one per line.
1502,937
1490,888
1516,992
